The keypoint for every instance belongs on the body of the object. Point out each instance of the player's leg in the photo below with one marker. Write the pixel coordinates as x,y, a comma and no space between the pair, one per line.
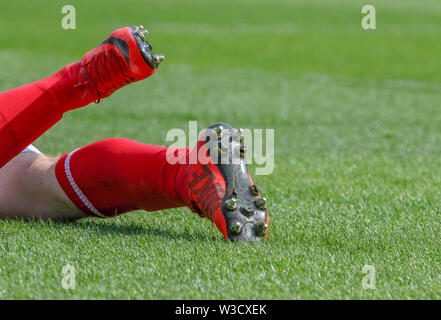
28,111
114,176
29,189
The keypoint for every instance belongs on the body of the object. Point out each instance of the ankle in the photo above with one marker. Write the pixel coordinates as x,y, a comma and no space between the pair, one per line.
72,90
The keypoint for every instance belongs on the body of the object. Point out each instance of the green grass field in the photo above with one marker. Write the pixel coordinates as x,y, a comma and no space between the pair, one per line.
357,179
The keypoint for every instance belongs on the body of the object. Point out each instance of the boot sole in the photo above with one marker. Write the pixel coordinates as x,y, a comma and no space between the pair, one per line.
243,207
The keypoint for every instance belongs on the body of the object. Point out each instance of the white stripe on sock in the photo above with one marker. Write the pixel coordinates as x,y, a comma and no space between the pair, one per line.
77,190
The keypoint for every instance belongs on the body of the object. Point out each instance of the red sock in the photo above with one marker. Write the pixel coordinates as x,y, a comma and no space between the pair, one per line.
114,176
29,111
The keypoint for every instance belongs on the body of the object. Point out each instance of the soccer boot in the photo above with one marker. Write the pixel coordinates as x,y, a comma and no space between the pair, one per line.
221,187
124,57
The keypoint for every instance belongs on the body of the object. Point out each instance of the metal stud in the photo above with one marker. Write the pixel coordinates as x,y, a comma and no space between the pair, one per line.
247,211
260,203
141,32
218,131
261,228
243,150
231,204
159,58
254,190
236,228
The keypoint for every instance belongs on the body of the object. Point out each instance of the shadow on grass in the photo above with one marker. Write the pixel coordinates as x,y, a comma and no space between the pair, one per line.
132,229
119,228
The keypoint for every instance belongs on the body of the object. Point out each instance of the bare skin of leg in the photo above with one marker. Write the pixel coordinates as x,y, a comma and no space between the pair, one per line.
30,190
